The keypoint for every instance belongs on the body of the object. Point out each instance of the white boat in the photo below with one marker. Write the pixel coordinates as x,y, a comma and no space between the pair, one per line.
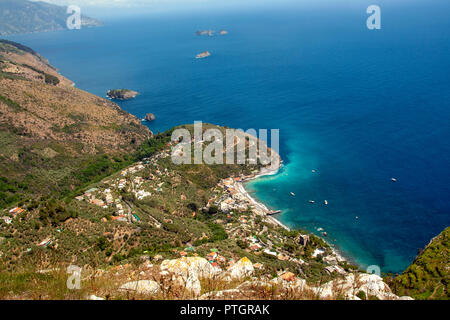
325,201
393,180
311,201
292,194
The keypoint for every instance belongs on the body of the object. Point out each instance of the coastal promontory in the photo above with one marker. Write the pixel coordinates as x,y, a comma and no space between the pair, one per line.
23,16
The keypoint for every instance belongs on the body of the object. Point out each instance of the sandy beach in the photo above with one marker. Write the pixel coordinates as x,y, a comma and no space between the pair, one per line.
268,171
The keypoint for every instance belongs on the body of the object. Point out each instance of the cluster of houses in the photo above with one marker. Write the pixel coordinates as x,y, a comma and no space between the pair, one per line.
218,261
130,181
14,212
131,170
232,199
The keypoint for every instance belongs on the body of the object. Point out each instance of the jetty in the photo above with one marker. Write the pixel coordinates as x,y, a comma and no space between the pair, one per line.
273,212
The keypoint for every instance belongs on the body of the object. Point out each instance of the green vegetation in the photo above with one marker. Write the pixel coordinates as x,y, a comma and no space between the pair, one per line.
23,16
10,193
428,277
61,177
49,79
14,105
55,212
7,44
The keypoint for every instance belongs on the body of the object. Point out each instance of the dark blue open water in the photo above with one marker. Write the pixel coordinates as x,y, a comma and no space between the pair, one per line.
358,106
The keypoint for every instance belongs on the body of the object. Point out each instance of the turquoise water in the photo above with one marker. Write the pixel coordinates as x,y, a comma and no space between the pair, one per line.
357,106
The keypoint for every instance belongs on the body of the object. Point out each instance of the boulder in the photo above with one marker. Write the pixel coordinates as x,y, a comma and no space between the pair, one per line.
191,283
370,284
241,269
148,287
288,276
197,266
188,270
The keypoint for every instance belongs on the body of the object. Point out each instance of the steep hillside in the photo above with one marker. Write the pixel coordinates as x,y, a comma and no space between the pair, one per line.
23,16
428,277
52,132
84,183
166,231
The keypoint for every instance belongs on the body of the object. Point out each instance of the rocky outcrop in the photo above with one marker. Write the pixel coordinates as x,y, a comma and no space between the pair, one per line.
147,287
241,269
205,33
200,267
149,117
188,270
188,277
122,94
351,287
203,55
287,286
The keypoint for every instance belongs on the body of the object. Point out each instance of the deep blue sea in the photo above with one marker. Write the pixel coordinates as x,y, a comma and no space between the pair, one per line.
358,106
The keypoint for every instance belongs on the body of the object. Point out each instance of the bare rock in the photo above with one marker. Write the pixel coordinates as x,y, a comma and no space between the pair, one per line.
241,269
188,270
149,117
148,287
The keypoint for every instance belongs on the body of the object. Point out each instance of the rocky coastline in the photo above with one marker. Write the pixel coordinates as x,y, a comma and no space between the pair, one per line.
273,169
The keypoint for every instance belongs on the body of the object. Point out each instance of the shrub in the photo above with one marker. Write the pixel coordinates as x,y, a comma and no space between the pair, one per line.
50,79
361,294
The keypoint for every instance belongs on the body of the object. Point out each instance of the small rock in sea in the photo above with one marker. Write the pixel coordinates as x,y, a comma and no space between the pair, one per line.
149,117
203,54
122,94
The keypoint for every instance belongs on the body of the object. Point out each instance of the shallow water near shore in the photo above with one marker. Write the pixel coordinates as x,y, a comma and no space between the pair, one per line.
357,106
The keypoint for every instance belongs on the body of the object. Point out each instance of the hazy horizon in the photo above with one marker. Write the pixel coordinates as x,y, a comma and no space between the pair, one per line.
104,9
